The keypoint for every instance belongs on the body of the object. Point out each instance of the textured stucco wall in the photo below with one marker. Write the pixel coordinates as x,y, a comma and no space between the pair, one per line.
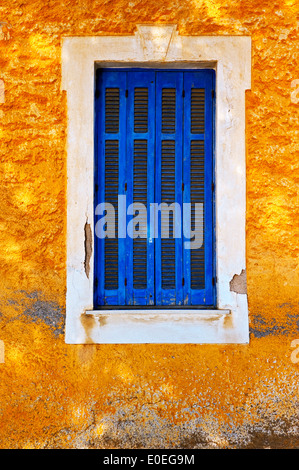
57,395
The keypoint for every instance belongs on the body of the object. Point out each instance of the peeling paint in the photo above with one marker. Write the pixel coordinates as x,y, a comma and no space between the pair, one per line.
88,248
238,283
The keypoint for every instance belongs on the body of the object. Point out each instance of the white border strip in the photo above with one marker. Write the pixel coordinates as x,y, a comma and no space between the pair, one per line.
154,326
159,46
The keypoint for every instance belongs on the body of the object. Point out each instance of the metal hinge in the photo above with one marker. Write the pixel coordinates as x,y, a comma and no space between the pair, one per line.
213,94
183,93
96,282
125,281
183,281
127,93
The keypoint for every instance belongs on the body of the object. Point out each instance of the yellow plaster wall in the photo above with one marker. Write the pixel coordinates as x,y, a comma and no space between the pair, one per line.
56,395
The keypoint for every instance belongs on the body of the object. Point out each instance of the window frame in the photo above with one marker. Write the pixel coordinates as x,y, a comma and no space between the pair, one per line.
157,47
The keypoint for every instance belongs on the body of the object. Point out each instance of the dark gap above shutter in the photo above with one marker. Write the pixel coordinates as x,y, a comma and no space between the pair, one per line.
197,187
111,197
167,196
112,110
140,196
197,111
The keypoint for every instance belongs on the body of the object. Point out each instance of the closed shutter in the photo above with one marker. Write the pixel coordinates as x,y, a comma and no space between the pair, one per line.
169,122
155,145
110,168
140,288
198,184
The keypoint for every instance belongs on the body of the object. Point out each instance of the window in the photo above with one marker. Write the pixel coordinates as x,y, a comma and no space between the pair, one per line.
155,147
156,48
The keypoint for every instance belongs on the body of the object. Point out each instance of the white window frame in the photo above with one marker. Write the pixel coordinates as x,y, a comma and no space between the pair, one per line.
158,47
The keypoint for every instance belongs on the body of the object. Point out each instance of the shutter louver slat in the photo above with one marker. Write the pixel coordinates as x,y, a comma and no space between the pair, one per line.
112,110
141,110
168,110
197,111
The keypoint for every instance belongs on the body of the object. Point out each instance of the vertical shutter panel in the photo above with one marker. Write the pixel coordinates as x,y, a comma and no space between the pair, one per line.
168,252
110,176
198,179
140,167
140,179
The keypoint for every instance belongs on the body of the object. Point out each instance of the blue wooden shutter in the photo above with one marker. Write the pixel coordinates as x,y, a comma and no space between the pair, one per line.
198,183
110,172
154,143
169,125
140,183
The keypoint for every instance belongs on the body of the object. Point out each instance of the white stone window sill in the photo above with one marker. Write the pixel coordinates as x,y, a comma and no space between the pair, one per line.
156,326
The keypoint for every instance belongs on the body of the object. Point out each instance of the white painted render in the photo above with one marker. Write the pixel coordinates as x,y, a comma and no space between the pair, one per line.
158,46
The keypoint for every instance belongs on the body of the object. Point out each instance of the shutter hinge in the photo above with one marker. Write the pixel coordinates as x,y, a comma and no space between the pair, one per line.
125,281
183,93
97,94
96,187
213,187
127,93
213,94
183,187
96,282
214,279
183,281
126,187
